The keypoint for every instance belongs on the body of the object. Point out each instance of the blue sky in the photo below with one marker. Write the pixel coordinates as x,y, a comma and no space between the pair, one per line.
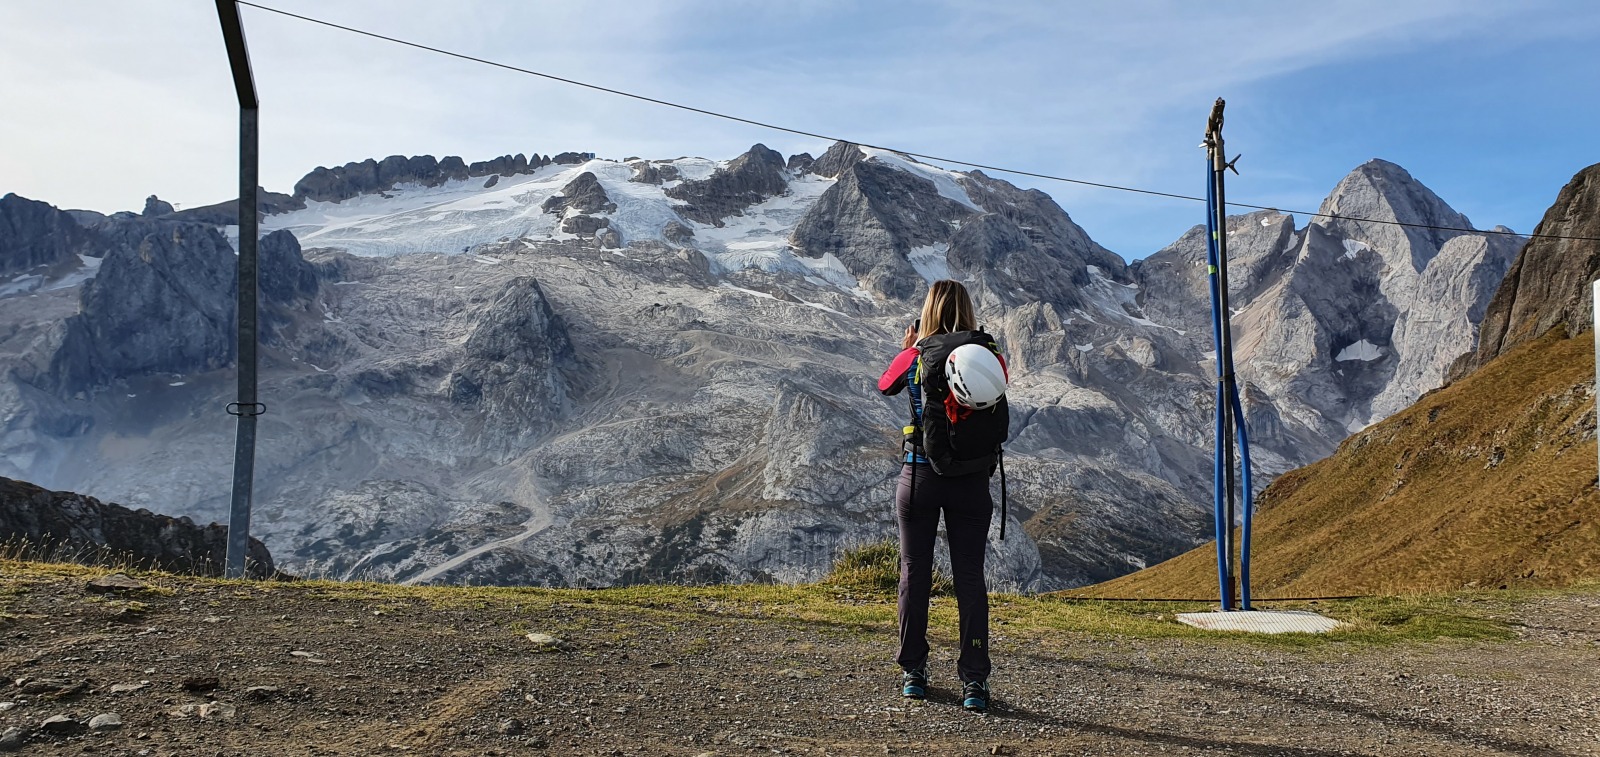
1494,105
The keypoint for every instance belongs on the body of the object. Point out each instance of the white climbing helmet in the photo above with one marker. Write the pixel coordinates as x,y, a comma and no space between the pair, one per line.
976,377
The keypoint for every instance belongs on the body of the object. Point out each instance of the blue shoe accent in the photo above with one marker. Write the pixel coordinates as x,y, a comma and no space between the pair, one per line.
914,684
975,696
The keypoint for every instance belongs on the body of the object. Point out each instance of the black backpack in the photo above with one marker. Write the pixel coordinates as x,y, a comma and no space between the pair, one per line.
957,440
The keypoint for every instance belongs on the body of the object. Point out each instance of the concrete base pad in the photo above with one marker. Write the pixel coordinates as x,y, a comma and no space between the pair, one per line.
1260,621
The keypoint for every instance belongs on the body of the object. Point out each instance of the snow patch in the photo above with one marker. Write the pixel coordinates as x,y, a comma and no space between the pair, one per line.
1116,299
1352,248
1363,350
945,182
751,292
458,216
88,268
759,238
932,261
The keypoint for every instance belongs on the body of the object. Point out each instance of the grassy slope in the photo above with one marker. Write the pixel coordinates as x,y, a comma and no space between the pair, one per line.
1487,483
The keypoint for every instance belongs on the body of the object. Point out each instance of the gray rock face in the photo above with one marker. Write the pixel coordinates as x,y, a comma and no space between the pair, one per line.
162,303
1549,284
749,179
114,532
800,163
1026,243
285,276
1452,296
872,219
35,235
515,359
453,168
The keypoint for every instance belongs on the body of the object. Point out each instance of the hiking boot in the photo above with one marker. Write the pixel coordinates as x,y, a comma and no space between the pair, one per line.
914,683
975,696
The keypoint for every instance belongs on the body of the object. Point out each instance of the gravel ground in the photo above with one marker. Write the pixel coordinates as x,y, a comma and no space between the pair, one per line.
202,668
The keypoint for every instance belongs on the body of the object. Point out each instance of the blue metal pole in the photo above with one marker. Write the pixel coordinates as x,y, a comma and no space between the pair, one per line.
1219,474
1249,501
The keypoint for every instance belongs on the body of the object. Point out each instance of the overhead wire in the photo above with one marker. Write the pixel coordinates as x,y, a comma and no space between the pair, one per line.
924,156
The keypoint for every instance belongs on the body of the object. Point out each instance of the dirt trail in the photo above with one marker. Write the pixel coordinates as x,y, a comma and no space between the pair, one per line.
393,673
539,522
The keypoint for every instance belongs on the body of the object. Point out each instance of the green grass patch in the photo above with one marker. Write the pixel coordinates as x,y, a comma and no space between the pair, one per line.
848,609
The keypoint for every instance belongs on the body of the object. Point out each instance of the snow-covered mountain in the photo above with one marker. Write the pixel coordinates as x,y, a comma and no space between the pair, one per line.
574,370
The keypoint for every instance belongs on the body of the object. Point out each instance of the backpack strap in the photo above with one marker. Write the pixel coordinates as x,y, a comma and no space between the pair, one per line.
1001,457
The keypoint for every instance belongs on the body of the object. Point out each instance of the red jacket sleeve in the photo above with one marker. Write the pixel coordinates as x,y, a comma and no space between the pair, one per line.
893,379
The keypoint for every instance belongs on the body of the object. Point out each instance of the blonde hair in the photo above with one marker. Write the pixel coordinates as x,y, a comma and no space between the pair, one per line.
947,310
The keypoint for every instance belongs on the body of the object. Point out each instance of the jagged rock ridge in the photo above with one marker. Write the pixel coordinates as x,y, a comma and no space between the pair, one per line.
1550,284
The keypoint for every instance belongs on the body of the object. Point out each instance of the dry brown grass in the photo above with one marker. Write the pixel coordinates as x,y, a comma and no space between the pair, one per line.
1487,483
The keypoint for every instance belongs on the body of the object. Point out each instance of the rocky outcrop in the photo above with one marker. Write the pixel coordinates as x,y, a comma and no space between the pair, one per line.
800,163
645,172
514,362
750,178
505,165
572,158
155,207
584,226
287,282
838,159
677,233
583,194
163,302
35,234
71,526
1550,284
371,176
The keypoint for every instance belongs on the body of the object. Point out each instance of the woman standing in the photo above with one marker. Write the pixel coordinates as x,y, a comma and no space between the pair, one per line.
946,473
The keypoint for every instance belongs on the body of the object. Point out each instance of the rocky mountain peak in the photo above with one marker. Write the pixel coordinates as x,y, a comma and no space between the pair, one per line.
748,179
1382,191
839,157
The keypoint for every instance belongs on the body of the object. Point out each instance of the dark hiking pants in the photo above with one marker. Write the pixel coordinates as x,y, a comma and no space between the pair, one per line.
967,508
